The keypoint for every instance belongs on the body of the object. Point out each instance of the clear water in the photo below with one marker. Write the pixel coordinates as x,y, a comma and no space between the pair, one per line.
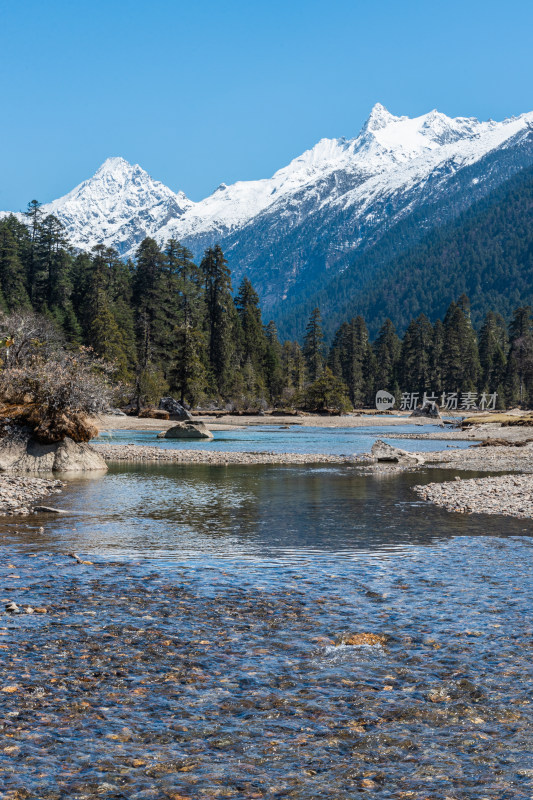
296,439
200,655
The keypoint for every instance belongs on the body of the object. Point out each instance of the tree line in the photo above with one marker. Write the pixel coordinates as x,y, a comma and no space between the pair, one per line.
169,325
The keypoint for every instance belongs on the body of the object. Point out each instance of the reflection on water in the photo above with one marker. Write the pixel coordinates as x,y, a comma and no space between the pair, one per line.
284,513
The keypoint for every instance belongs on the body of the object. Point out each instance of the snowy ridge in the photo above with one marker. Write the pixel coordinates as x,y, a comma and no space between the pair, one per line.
333,196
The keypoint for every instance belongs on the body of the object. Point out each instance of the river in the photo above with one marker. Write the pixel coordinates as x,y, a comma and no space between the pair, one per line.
200,654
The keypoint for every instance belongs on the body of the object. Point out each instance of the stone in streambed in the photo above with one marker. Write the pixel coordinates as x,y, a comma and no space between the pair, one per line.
188,430
386,453
364,639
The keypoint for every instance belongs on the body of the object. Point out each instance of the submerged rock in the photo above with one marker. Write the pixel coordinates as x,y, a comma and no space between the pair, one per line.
21,452
364,639
189,430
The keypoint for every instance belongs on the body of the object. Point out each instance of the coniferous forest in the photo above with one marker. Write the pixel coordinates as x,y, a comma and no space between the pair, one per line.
171,326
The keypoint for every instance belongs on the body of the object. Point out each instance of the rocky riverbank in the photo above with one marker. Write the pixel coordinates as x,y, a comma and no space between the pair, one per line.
158,455
483,459
18,494
511,495
335,679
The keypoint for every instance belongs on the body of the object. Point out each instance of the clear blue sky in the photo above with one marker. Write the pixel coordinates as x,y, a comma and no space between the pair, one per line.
204,92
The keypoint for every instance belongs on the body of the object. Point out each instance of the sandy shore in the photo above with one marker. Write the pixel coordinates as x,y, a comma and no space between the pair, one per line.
229,422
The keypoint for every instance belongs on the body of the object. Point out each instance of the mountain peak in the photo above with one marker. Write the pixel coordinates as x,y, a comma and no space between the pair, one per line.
379,118
116,167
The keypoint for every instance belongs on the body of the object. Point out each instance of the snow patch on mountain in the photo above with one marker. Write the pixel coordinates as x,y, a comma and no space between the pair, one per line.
121,203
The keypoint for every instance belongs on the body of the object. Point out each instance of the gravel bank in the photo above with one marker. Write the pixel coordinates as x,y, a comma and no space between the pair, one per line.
511,495
17,494
158,455
483,459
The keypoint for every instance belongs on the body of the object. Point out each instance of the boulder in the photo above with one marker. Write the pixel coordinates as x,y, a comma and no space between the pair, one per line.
429,409
188,430
175,409
21,452
386,453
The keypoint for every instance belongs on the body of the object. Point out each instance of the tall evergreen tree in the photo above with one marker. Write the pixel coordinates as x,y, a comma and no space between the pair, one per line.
273,364
185,324
12,278
460,357
493,346
415,371
313,346
387,353
150,300
220,316
519,379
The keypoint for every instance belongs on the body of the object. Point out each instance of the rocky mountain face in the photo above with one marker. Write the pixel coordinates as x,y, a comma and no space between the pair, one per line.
295,232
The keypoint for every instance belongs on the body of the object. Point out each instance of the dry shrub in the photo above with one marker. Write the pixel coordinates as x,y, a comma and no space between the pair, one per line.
48,388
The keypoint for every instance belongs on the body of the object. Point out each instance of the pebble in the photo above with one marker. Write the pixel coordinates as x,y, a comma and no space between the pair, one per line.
17,492
511,495
136,452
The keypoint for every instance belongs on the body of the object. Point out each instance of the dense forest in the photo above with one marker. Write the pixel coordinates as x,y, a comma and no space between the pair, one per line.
171,326
485,253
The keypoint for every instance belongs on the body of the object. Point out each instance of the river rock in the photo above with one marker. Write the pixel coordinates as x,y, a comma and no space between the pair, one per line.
176,410
383,452
21,452
189,430
429,409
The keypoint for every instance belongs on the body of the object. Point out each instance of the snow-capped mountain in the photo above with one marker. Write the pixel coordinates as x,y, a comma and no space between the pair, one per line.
118,206
308,222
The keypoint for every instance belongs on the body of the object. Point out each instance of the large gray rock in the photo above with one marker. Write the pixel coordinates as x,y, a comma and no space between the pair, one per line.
175,409
429,409
188,430
20,452
386,453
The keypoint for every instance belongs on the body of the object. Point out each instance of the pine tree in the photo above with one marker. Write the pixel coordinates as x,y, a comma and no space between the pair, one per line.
220,316
436,366
273,365
12,278
415,356
185,317
493,345
349,357
313,346
150,300
519,379
387,353
253,336
103,333
460,357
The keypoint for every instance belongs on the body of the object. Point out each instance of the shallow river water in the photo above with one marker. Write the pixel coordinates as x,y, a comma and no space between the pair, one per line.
200,654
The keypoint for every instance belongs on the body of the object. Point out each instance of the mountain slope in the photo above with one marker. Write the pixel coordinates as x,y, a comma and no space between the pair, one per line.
297,232
486,252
